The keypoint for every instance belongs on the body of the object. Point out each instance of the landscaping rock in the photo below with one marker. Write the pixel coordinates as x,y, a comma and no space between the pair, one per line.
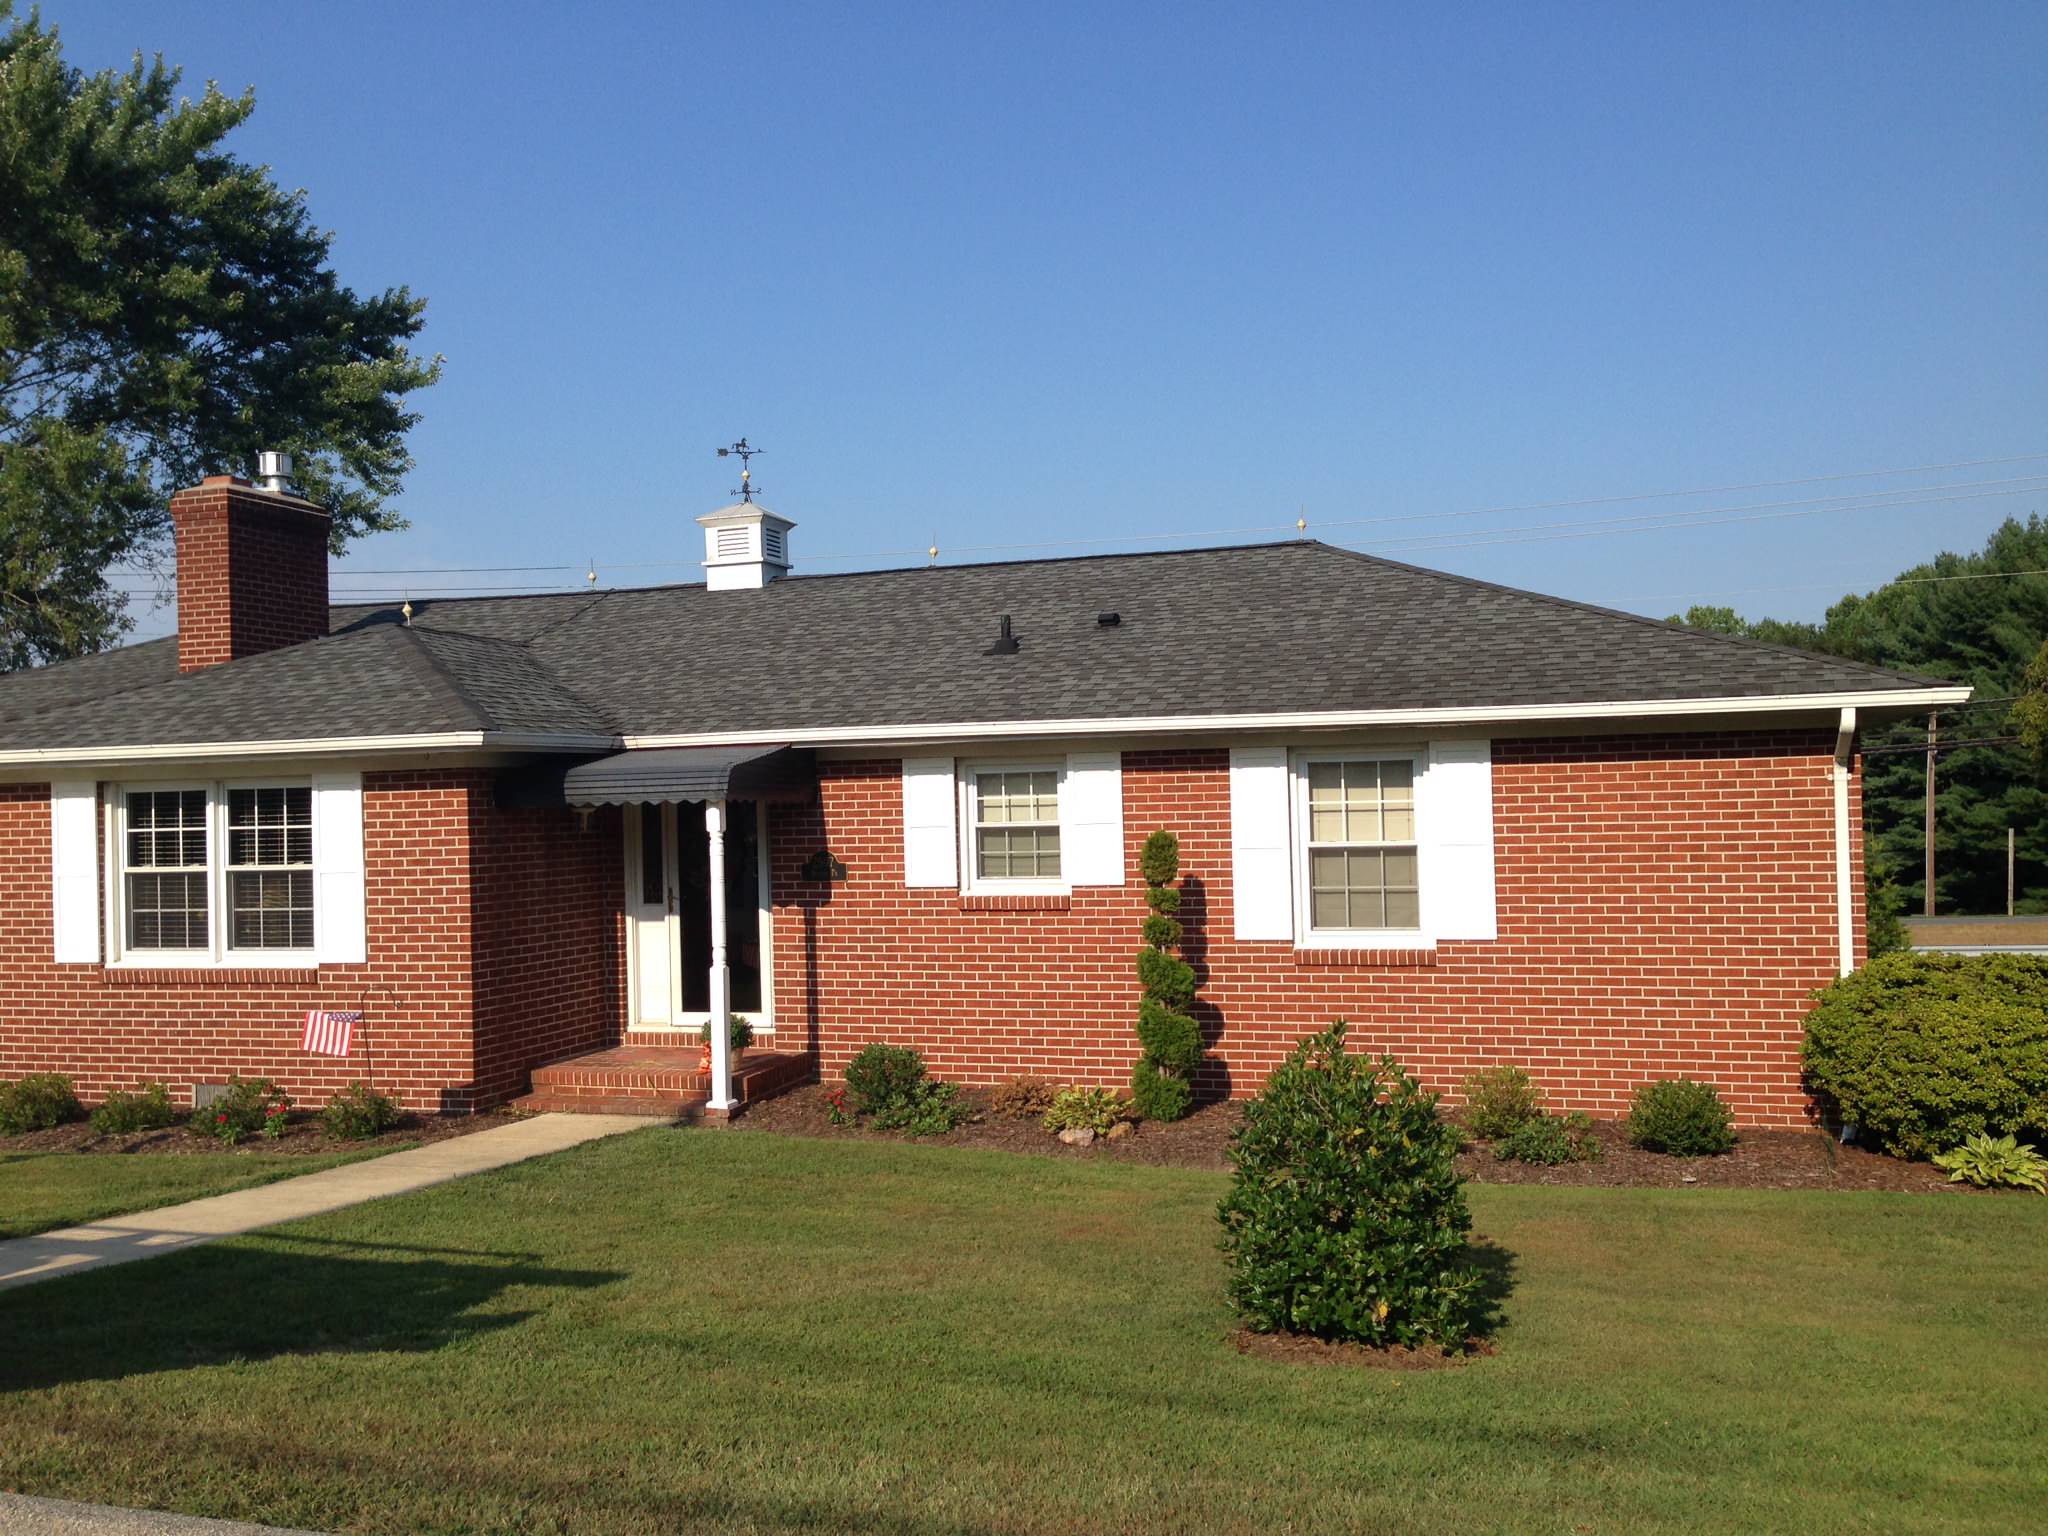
1120,1130
1078,1136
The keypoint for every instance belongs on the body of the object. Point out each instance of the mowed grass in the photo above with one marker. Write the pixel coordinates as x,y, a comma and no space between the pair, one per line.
709,1331
41,1190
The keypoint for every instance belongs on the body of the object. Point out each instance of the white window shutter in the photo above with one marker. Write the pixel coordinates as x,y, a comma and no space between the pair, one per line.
1261,858
1092,819
930,844
74,870
340,933
1454,815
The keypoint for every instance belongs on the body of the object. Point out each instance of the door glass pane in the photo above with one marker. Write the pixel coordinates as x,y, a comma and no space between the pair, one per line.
653,878
742,904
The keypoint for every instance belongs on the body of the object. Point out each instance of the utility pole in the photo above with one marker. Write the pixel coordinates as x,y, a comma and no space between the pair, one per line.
2010,841
1927,897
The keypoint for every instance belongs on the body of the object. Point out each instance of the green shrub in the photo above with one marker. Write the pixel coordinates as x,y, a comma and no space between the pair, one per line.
739,1033
1023,1098
37,1102
888,1084
1884,903
1499,1101
931,1109
251,1106
1550,1140
1989,1162
1345,1218
1169,1040
148,1108
1682,1117
1921,1051
358,1112
1084,1109
882,1076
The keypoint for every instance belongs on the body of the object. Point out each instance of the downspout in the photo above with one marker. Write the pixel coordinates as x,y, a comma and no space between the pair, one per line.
1845,894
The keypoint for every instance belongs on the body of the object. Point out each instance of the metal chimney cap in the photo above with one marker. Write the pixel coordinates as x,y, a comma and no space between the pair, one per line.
273,468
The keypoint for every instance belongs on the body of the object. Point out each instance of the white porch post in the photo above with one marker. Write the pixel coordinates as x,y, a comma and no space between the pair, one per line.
721,979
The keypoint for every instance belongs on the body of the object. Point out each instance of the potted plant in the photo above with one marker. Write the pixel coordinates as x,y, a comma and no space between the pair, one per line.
739,1036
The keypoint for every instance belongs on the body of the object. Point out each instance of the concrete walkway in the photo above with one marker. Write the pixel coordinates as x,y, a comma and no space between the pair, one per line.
61,1517
145,1235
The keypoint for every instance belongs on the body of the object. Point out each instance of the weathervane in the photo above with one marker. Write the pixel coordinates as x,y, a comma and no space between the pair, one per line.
745,454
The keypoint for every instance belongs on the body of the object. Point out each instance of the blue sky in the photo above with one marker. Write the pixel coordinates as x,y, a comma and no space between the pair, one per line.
1052,273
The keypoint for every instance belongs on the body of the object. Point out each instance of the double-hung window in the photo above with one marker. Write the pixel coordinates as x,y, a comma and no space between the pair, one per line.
1360,862
215,872
1012,826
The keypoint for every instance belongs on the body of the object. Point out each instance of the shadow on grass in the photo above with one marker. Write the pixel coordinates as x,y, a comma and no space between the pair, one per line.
1496,1266
289,1296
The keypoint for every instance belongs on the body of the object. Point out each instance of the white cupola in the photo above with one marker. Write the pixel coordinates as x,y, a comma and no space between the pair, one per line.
745,545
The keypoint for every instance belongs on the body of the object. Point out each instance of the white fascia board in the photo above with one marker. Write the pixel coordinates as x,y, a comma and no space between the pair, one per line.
318,746
1315,720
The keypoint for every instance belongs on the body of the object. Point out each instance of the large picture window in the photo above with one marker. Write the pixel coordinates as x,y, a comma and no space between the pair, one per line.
1363,868
1013,827
210,872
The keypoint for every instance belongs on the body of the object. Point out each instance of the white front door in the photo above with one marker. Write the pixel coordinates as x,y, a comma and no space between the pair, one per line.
652,928
668,874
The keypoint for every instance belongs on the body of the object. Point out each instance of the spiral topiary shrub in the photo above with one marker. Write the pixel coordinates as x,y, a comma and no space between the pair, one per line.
1169,1041
1346,1218
1922,1051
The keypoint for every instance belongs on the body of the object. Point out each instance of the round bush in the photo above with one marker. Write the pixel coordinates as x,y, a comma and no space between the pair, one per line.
883,1077
37,1102
1346,1219
148,1108
1499,1101
1681,1117
1922,1051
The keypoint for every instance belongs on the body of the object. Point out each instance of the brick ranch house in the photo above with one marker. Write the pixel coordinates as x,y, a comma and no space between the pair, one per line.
1483,825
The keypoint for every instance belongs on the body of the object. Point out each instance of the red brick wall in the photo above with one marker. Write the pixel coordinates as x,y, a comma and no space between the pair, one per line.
252,572
473,978
549,940
1665,905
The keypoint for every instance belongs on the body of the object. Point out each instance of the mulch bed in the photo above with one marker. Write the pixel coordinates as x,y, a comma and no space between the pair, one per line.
1300,1349
1761,1159
304,1136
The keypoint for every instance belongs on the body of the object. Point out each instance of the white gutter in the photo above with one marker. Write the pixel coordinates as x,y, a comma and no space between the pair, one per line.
1845,894
320,746
1309,719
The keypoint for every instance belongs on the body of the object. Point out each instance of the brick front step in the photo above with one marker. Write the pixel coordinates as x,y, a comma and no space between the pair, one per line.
656,1080
688,1111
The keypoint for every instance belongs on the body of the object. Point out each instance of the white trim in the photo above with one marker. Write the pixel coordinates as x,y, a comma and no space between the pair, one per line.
1261,844
931,817
1747,704
341,931
507,741
1845,894
1092,819
972,882
1306,934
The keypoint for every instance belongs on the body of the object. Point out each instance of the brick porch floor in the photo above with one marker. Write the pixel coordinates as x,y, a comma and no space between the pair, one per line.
658,1080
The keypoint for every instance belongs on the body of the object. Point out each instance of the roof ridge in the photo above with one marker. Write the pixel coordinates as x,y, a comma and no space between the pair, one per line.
436,673
519,647
1577,606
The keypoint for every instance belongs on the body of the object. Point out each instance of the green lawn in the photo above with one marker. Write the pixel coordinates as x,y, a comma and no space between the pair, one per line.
41,1190
709,1331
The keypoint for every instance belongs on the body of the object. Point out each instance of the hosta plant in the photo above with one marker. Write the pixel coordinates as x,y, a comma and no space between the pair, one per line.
1990,1162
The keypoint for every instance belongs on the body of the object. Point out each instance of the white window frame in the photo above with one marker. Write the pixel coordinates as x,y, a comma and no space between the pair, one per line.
219,952
1306,934
972,883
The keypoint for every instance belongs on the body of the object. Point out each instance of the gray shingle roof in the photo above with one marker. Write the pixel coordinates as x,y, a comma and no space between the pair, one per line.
1288,627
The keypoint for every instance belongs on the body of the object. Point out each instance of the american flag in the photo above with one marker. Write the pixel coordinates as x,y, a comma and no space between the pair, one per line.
329,1033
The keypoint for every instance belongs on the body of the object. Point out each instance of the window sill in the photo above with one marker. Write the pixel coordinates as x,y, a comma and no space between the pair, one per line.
1366,959
1049,901
208,975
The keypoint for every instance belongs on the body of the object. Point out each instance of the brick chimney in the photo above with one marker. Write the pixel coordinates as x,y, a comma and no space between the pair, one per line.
252,571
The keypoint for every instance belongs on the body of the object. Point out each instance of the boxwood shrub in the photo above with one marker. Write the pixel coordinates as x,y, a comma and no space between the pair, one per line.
1682,1117
1922,1051
1345,1219
37,1102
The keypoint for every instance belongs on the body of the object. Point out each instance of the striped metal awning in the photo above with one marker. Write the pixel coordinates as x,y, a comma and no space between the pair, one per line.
666,773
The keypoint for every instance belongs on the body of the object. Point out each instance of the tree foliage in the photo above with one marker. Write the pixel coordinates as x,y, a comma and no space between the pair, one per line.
1980,619
166,311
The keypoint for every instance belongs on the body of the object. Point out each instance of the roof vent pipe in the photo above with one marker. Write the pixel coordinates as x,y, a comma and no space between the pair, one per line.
273,468
1006,644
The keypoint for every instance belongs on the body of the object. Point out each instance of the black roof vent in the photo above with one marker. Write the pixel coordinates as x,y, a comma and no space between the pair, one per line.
1006,643
1108,619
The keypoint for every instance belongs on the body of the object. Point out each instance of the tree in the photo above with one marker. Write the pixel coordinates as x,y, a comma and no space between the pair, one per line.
1169,1040
166,311
2030,710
